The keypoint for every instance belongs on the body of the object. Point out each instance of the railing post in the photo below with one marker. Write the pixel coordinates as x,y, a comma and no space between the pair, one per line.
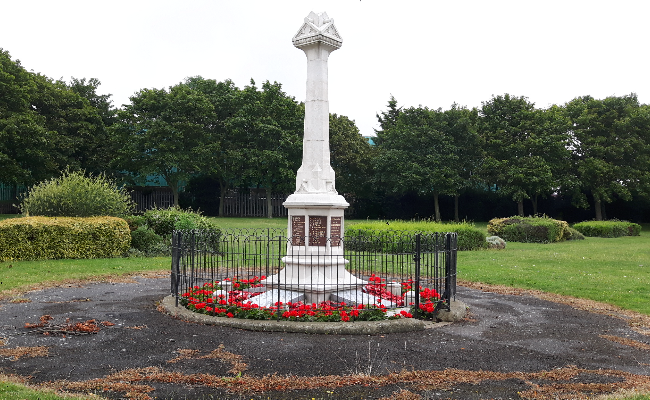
416,258
176,256
448,264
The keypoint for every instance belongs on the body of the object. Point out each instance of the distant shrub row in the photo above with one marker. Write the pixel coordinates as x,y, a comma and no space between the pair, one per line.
608,229
396,236
40,238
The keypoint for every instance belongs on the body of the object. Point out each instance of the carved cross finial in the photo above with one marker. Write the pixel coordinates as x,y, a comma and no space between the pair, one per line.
318,27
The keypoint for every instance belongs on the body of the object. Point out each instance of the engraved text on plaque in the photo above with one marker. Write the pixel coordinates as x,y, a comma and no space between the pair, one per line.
335,231
317,230
298,230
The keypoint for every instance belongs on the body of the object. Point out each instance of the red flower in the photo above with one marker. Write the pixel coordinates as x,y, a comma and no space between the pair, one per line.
230,315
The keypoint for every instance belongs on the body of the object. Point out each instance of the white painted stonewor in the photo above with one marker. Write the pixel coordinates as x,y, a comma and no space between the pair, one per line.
316,266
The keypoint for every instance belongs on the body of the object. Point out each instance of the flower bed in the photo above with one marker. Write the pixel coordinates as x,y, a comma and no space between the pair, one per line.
231,298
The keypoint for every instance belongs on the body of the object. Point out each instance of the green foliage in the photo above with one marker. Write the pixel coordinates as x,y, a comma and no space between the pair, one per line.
74,194
151,232
164,221
526,148
611,138
573,234
163,132
41,238
529,229
396,236
144,239
608,229
46,125
427,151
351,158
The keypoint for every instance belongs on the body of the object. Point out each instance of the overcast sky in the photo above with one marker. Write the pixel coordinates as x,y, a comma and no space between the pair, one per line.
429,53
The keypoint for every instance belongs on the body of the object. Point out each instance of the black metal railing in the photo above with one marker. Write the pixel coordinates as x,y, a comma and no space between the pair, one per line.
399,270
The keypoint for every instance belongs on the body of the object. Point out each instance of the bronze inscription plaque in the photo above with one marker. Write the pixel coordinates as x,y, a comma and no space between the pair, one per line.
335,231
298,230
317,230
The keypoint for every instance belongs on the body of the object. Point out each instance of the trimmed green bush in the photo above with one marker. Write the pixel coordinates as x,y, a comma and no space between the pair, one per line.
608,229
43,238
573,234
144,239
165,221
151,232
75,195
529,229
396,236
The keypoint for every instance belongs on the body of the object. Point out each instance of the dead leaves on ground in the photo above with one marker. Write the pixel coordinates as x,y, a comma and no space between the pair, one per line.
17,353
46,327
238,366
627,342
561,383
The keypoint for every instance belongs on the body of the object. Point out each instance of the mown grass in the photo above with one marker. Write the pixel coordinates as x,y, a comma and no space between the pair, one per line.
28,275
7,216
615,271
10,390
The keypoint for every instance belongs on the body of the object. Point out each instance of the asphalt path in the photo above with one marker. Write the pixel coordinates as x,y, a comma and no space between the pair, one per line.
509,347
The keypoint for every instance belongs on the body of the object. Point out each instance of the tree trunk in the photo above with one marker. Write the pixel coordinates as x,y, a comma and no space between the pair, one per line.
222,196
598,208
436,206
456,207
520,208
534,201
174,187
269,203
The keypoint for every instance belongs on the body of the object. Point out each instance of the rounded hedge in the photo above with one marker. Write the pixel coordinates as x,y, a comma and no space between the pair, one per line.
529,229
608,229
74,194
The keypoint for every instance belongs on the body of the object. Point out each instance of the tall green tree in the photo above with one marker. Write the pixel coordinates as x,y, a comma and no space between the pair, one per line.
81,140
521,155
415,153
164,132
461,125
611,149
271,125
26,147
224,154
45,126
351,158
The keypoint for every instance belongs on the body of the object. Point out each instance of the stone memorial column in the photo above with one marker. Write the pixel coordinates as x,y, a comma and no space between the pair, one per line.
314,263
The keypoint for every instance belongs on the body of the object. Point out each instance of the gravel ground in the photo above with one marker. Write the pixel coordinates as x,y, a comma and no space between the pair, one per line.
509,347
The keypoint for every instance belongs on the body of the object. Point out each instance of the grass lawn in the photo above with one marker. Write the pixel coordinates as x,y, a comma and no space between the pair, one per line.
615,271
7,216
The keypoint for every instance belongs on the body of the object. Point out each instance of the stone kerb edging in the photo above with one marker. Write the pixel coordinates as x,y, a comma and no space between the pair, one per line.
333,328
